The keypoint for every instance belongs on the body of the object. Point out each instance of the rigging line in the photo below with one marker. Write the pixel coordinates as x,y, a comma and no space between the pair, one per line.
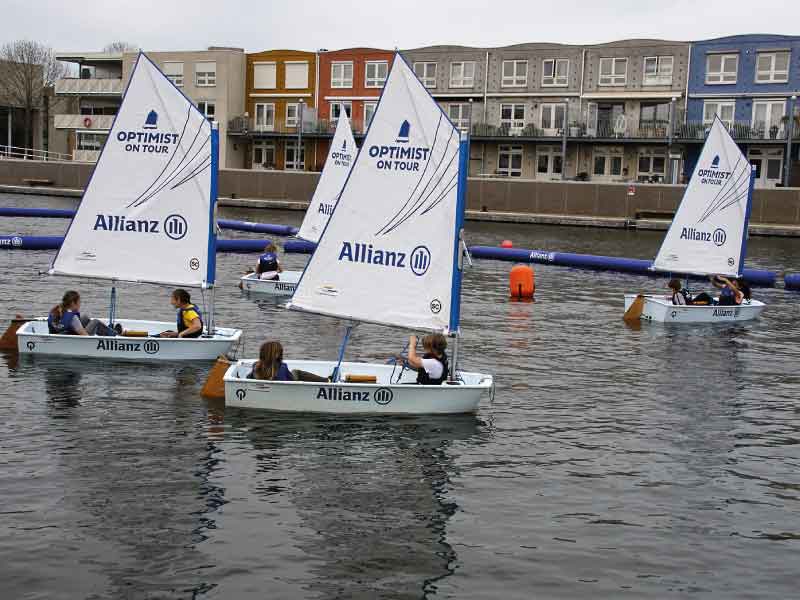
173,177
743,190
722,191
203,166
419,180
734,190
421,201
176,169
423,197
451,185
166,166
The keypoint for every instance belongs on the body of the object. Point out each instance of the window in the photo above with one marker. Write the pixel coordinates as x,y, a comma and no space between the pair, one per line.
607,162
509,161
512,116
342,74
205,74
296,75
263,155
769,165
462,74
174,72
98,110
515,73
376,74
721,68
336,109
552,116
265,117
723,109
265,75
292,114
426,71
207,108
555,72
295,158
549,161
772,67
90,141
658,70
654,118
652,166
613,71
459,115
369,112
767,117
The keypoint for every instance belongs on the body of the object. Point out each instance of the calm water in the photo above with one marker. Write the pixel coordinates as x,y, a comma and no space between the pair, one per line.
613,463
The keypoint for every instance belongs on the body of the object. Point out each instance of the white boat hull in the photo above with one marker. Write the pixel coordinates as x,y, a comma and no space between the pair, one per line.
661,310
386,397
33,338
284,286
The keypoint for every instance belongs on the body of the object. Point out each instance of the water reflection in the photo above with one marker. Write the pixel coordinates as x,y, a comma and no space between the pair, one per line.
375,493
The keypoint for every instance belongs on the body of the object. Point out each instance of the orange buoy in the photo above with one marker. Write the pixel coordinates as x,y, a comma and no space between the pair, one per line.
506,244
522,282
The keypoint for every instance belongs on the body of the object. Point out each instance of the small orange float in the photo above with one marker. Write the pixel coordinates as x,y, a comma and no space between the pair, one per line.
522,282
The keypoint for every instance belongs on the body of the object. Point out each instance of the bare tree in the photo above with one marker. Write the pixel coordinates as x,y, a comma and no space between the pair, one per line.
121,46
27,70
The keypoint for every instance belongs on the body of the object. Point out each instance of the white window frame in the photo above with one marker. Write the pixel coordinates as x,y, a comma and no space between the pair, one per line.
428,80
552,109
722,77
98,138
772,74
461,80
664,68
651,154
263,146
720,104
272,64
459,114
177,77
770,118
292,121
614,78
266,126
608,154
342,81
375,81
204,109
369,112
294,164
518,76
207,78
510,150
339,104
515,124
286,65
555,80
551,152
765,156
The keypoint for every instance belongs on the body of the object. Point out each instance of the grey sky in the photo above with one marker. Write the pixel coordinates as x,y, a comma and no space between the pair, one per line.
310,25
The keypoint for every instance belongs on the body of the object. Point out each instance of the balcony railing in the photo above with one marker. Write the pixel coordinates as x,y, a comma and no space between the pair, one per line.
102,122
247,125
89,156
17,152
99,87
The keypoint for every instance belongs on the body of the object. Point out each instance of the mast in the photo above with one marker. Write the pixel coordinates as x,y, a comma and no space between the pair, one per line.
746,233
212,225
458,256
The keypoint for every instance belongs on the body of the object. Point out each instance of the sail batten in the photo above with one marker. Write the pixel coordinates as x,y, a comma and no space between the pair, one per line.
708,233
341,157
387,253
147,213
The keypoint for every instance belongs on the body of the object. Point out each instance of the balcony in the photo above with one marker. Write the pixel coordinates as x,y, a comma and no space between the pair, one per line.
89,87
99,122
243,125
89,156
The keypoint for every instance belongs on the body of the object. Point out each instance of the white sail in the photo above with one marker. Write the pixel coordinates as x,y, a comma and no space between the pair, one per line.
337,167
709,231
387,253
147,213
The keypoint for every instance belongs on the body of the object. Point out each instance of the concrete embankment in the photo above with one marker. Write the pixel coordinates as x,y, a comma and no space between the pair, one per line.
613,205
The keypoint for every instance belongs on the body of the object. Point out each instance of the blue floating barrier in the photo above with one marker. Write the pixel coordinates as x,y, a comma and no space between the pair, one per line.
298,247
792,281
267,228
754,277
18,211
53,242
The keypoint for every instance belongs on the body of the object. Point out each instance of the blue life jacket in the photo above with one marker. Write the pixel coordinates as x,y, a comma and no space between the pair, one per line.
727,297
64,326
267,262
182,326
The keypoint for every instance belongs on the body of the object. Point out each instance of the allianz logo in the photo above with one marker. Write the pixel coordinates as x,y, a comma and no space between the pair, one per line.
718,237
418,260
174,226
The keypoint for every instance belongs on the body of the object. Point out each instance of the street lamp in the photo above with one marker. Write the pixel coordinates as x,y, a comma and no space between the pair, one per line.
299,133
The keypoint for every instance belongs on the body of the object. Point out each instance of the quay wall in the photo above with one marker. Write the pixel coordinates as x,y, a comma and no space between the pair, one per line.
779,206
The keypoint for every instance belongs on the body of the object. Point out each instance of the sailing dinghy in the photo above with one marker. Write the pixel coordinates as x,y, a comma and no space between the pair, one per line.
390,254
708,235
147,215
337,167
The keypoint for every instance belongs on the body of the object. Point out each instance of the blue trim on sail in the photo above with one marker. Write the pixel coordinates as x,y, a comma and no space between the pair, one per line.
212,225
746,229
461,197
